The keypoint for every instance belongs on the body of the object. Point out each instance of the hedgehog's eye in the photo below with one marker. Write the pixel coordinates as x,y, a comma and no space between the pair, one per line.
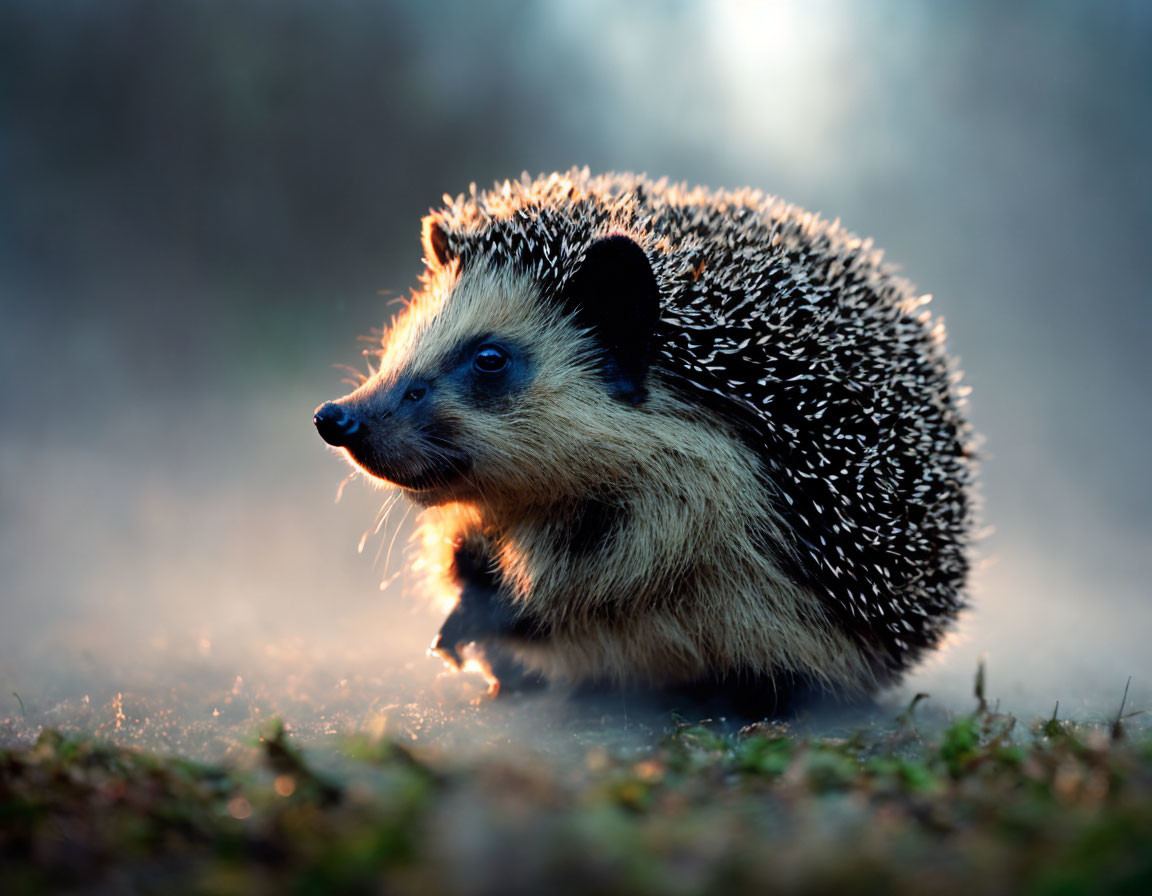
490,359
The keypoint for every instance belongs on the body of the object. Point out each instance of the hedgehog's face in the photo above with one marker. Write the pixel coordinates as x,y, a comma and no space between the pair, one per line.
488,392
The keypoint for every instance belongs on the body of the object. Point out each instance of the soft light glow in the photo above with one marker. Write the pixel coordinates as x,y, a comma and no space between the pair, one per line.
284,785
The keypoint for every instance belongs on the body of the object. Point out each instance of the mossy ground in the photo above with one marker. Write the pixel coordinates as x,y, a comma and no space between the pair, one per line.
983,804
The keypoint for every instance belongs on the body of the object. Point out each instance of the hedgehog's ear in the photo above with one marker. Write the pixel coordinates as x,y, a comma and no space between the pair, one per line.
435,241
614,294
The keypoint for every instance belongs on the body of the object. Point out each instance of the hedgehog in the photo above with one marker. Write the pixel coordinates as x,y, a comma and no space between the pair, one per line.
670,437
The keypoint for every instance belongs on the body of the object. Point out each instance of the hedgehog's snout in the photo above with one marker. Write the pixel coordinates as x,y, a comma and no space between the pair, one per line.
338,425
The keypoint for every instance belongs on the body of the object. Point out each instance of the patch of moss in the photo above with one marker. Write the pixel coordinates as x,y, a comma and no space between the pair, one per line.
1060,809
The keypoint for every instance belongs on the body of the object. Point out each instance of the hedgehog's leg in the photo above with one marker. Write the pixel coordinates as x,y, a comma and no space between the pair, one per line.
485,617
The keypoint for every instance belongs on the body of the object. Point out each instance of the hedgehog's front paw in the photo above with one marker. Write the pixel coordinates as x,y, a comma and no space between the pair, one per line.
484,615
459,629
469,633
478,615
505,674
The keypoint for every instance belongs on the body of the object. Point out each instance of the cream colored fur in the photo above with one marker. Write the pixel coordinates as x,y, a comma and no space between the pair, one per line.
681,592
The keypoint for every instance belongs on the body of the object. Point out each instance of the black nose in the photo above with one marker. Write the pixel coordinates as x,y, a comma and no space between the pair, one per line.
336,425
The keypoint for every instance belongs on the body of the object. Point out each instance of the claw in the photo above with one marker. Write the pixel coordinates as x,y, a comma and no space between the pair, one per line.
447,651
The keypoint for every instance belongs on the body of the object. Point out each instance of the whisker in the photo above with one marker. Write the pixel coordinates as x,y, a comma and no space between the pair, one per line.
381,517
391,544
340,487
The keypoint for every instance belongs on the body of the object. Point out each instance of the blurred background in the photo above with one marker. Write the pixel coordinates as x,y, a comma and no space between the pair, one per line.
203,205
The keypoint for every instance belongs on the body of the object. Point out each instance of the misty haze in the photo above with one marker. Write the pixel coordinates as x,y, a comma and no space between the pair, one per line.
204,207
